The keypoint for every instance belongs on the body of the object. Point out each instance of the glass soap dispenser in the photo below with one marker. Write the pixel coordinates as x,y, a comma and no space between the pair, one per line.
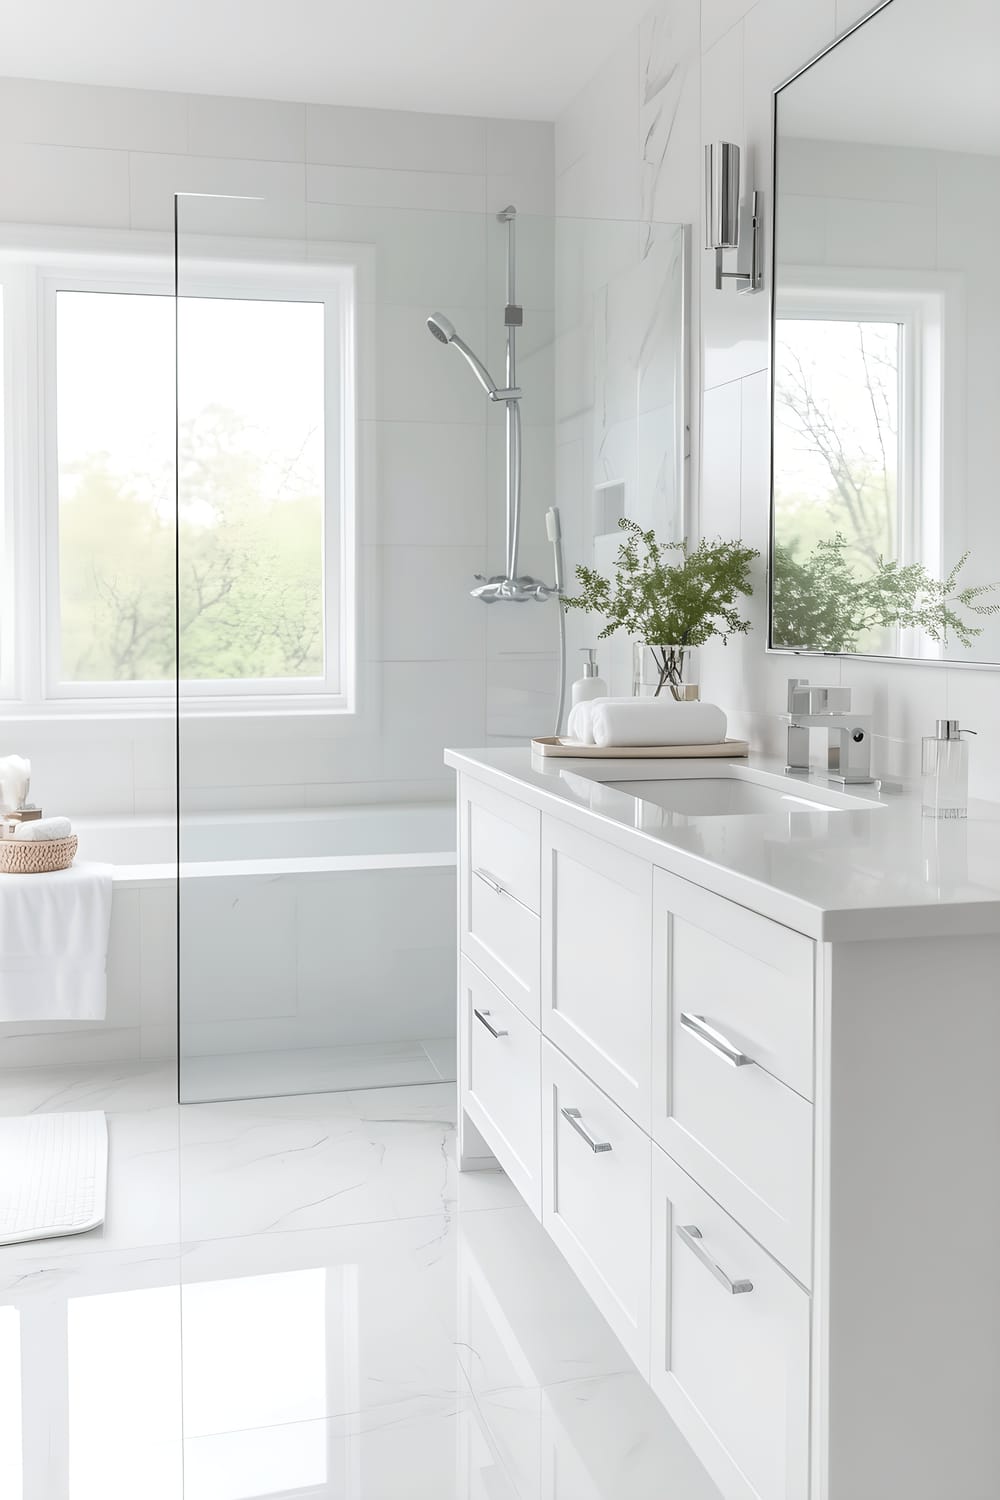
944,765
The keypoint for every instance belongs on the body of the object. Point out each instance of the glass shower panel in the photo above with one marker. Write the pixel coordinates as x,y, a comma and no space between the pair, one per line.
331,509
344,485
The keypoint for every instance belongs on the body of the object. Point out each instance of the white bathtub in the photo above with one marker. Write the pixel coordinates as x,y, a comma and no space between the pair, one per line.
300,930
303,841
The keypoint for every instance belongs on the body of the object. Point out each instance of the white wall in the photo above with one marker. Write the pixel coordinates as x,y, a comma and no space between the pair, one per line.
438,669
631,143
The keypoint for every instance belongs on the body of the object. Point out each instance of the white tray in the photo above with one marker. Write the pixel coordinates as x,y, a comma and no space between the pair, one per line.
550,745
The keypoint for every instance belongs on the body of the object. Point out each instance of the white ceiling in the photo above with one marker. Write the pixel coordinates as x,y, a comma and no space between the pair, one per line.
521,59
921,73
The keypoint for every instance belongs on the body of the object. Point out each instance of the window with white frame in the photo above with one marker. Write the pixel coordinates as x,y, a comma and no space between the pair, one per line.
181,493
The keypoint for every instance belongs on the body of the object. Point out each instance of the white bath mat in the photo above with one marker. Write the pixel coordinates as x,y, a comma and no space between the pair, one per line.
53,1175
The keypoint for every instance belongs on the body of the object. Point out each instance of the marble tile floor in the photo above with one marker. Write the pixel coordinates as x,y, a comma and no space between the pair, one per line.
301,1297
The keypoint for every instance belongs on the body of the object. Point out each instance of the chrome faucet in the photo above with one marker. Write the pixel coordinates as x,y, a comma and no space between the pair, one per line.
848,734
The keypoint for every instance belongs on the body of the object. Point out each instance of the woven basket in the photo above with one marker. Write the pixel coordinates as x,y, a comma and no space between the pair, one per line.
36,856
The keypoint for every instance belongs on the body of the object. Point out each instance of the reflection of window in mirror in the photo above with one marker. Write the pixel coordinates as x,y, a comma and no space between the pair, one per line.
858,428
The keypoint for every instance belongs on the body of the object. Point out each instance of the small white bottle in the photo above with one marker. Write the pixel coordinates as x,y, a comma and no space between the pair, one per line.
944,766
589,685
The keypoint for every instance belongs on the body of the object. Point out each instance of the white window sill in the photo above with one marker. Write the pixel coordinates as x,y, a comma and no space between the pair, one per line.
123,711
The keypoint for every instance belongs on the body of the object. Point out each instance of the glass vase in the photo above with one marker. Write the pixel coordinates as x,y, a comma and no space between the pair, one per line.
659,671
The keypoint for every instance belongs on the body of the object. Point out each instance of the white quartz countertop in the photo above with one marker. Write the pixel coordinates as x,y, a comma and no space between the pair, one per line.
881,872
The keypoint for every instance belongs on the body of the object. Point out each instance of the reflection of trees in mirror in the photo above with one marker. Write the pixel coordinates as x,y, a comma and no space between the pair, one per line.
250,546
821,602
661,603
837,464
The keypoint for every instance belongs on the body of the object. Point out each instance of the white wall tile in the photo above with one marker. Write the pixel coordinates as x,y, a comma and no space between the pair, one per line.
520,165
155,180
395,139
596,141
427,610
720,16
670,112
420,256
426,706
64,185
256,129
63,114
721,467
431,484
382,188
522,696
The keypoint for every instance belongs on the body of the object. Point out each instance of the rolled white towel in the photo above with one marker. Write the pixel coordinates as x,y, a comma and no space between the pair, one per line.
580,725
657,721
43,830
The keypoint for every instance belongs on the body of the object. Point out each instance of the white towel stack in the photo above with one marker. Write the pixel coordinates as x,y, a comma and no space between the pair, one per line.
646,721
43,830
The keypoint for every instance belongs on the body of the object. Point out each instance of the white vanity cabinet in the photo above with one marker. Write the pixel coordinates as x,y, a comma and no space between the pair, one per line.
596,953
769,1157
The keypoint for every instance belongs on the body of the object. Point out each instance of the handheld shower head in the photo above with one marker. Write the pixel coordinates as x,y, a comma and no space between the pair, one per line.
443,329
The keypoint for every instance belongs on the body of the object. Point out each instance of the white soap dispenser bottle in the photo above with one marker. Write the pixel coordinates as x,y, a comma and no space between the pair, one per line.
944,765
589,685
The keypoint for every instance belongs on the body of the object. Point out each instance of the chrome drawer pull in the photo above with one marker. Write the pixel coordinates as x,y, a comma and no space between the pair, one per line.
692,1237
720,1045
575,1119
491,880
481,1015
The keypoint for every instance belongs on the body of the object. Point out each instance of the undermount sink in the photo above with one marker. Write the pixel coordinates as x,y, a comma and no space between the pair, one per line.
732,796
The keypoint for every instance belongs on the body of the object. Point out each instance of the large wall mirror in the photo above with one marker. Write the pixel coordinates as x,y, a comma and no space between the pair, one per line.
886,340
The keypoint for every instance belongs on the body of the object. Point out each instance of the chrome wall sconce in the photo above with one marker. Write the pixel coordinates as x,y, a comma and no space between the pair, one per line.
722,217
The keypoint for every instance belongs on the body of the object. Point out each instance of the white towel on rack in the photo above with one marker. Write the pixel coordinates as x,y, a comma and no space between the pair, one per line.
54,944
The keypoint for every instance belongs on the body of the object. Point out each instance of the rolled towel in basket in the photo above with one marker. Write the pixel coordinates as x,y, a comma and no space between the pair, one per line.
657,721
42,830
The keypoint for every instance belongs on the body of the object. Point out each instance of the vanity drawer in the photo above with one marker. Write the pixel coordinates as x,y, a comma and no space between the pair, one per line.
500,931
749,977
501,841
596,968
500,1080
732,1074
595,1196
730,1357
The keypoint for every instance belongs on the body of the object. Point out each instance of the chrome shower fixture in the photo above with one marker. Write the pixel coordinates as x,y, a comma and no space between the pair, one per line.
445,332
510,587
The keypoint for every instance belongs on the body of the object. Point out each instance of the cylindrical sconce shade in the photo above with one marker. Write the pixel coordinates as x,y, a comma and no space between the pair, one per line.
722,196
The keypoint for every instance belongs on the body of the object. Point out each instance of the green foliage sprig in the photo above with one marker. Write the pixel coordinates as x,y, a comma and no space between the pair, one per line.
822,604
683,603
